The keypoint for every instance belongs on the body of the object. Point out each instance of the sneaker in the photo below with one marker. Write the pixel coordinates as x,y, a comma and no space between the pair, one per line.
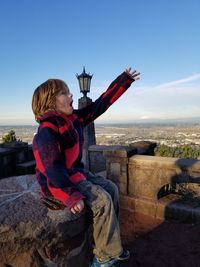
109,263
125,255
114,262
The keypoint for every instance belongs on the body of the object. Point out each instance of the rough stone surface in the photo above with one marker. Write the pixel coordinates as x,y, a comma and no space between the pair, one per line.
148,174
97,159
144,147
31,235
117,164
7,162
154,185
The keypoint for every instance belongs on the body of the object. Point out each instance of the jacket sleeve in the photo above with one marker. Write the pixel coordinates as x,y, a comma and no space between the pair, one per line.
114,91
50,163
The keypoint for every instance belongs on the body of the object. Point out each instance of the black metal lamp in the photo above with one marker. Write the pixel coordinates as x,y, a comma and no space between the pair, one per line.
84,82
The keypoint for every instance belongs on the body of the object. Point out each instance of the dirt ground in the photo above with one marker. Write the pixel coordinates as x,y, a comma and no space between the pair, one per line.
155,243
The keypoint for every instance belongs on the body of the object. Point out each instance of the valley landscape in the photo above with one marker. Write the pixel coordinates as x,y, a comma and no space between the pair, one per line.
171,134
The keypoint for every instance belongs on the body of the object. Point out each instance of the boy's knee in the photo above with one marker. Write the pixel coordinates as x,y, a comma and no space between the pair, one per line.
103,204
104,199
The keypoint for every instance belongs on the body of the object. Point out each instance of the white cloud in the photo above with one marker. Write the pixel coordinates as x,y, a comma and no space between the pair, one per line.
175,99
186,80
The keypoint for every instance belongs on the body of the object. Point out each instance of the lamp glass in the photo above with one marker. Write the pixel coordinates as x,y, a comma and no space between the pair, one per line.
84,82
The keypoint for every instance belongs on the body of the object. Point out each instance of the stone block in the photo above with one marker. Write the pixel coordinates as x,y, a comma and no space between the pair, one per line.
27,167
97,159
127,203
33,235
145,206
30,155
115,173
7,162
144,147
20,148
120,152
138,205
116,166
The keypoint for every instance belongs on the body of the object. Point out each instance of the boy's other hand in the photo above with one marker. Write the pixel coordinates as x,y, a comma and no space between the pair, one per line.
78,207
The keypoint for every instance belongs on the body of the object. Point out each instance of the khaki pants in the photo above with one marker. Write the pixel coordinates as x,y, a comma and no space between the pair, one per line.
102,196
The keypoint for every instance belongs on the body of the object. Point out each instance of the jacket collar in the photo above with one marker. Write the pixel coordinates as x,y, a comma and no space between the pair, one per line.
53,114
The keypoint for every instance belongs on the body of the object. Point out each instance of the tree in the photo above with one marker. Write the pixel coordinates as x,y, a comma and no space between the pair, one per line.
183,151
9,137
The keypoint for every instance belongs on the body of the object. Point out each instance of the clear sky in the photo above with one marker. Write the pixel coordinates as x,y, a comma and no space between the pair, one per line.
41,39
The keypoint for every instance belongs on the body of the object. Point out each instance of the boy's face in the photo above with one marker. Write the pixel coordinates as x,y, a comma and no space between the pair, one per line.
64,101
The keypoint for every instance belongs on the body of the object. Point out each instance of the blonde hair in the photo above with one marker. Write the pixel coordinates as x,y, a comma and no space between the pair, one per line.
44,97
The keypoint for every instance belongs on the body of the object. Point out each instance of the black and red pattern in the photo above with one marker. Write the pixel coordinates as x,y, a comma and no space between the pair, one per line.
57,146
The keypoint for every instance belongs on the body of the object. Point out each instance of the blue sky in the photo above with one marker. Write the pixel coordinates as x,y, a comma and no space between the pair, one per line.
43,39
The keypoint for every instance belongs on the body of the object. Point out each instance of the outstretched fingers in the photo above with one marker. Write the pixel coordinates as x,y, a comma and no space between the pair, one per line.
133,73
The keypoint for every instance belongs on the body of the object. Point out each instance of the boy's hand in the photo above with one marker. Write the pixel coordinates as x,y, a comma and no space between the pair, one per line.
78,207
133,73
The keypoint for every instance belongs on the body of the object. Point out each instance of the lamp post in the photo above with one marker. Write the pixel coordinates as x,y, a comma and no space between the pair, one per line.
84,80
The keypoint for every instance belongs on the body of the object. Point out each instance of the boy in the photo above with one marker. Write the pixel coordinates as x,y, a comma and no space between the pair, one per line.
57,148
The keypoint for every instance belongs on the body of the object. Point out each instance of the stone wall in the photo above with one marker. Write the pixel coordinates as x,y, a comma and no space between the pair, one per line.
32,235
97,153
148,175
160,187
16,158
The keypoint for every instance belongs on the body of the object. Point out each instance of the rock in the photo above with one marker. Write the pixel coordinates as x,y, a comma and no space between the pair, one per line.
31,235
144,147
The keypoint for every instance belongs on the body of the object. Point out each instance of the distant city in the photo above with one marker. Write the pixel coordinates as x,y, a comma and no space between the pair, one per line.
23,132
171,134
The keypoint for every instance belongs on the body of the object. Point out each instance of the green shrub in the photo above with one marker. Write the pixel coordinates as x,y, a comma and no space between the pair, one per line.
184,151
9,137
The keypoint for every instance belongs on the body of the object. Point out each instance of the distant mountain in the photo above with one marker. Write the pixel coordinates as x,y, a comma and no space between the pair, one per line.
146,123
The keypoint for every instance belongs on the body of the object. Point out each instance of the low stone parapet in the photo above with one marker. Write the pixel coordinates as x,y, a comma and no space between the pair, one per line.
154,188
33,235
149,174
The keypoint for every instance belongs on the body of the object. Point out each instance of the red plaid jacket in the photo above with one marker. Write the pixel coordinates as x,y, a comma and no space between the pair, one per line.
57,146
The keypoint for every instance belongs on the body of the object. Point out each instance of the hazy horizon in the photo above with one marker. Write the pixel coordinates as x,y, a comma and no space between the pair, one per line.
190,120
